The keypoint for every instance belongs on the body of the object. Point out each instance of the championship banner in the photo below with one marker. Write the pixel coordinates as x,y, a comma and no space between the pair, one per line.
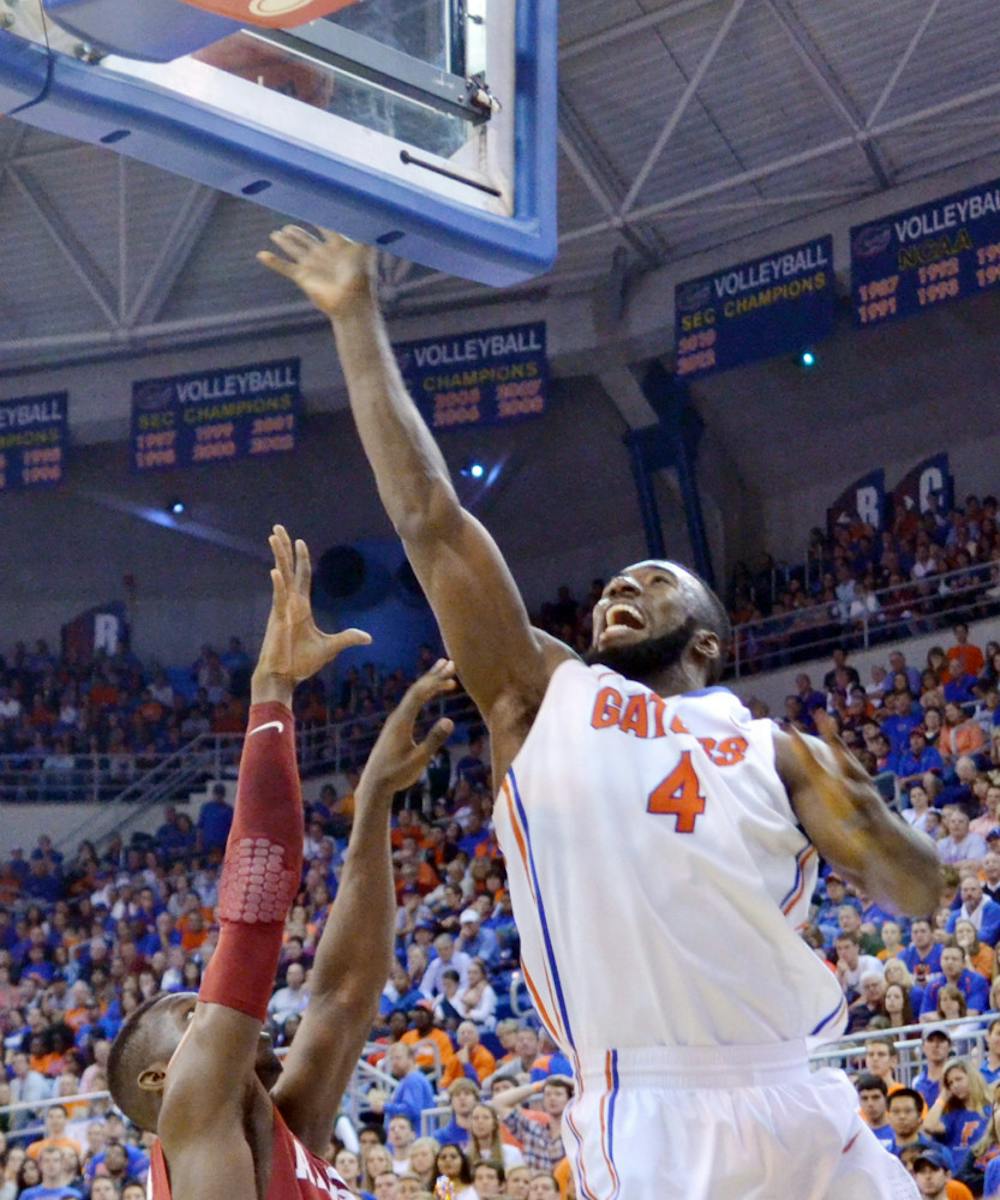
211,416
34,434
863,503
487,378
779,304
921,257
932,477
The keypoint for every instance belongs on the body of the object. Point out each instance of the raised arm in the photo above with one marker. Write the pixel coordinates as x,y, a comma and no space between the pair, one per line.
355,951
499,657
211,1076
853,829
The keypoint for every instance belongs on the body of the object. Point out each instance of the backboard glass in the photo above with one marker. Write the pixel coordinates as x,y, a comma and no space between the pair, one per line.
425,125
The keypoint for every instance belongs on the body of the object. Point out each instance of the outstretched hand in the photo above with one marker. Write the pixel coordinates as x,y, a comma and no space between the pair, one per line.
294,649
397,760
333,272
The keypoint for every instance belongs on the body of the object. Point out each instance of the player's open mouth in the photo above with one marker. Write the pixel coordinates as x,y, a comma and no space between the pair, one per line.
621,620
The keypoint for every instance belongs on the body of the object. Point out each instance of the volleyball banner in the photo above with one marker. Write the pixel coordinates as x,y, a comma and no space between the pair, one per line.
215,416
488,378
782,303
34,436
921,257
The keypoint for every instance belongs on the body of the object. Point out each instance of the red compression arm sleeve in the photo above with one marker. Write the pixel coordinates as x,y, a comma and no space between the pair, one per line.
263,866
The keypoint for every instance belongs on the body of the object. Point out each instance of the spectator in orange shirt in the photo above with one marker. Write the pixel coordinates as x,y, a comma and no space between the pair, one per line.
424,1035
55,1134
960,735
472,1059
971,657
193,931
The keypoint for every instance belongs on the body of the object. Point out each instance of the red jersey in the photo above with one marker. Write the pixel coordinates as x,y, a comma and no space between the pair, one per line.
296,1173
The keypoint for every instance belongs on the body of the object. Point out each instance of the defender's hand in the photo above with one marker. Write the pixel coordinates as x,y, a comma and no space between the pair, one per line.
294,649
333,272
397,761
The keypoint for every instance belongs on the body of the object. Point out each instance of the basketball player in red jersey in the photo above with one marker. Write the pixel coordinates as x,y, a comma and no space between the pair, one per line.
234,1124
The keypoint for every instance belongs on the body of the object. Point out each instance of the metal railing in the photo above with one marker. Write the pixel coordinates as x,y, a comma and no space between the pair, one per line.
967,1033
848,1052
146,780
903,611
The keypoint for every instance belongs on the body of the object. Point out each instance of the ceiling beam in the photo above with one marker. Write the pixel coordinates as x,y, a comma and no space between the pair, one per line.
670,128
185,233
602,180
829,84
72,248
623,29
903,63
812,154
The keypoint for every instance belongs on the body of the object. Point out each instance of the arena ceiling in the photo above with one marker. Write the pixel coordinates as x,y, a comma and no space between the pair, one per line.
683,125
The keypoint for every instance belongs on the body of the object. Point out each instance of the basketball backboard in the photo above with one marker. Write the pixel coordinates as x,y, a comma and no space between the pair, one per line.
425,125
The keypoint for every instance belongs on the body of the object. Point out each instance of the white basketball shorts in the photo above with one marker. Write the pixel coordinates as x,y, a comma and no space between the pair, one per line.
723,1123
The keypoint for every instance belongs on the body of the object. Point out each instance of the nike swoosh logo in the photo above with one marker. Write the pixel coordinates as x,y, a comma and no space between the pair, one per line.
270,725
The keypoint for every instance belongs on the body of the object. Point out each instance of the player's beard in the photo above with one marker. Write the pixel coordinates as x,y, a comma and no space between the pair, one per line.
647,659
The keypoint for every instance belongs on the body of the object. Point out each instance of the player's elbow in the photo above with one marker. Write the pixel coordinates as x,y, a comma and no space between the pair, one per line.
428,514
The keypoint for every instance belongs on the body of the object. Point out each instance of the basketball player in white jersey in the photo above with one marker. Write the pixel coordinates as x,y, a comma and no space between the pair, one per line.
661,844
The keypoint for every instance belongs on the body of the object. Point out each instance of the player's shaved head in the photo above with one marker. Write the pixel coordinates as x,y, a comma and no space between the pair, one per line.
146,1041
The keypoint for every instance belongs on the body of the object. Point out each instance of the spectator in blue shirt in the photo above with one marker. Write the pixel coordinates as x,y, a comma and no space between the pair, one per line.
936,1051
899,666
53,1185
961,1113
904,1112
463,1096
958,688
971,984
979,909
475,941
413,1091
923,955
214,820
920,758
906,716
827,917
136,1163
873,1094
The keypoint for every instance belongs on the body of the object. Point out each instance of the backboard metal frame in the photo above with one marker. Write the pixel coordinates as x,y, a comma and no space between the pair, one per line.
485,213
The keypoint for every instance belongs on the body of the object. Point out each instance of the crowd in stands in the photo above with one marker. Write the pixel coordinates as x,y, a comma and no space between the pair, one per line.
466,1088
73,730
69,728
862,586
86,937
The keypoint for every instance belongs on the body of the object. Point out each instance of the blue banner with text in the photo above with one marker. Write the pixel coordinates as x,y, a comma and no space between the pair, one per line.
215,416
491,377
916,259
34,435
782,303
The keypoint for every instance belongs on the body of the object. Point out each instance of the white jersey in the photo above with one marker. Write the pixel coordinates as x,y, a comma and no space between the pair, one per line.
658,874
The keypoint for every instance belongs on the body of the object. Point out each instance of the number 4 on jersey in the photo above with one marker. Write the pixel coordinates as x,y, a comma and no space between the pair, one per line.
679,795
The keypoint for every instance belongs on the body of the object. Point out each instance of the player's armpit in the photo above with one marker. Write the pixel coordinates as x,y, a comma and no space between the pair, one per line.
853,829
501,660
